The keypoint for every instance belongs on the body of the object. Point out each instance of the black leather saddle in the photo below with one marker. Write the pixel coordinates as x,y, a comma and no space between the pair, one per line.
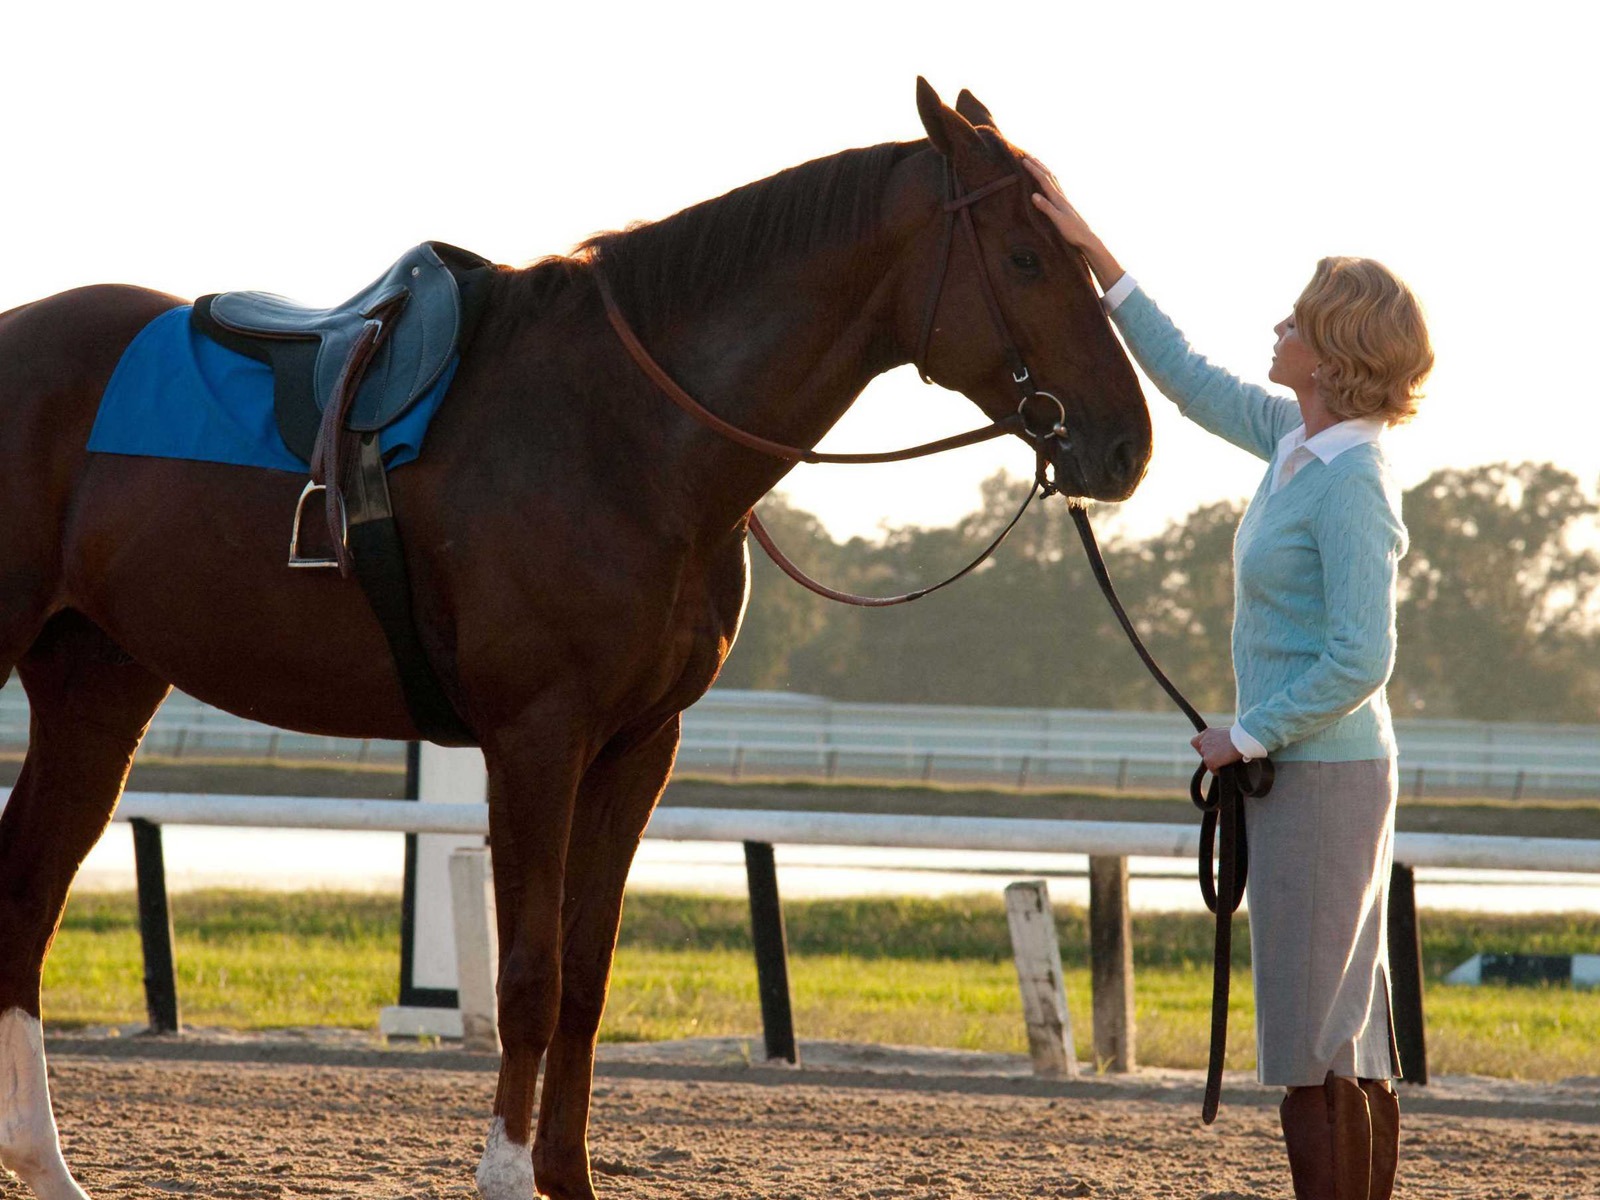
426,304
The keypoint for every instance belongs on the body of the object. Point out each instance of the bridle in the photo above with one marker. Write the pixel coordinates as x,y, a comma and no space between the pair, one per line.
1043,435
958,210
956,206
1222,825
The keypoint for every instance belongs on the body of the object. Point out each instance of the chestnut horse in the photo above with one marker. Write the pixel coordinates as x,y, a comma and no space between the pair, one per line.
576,548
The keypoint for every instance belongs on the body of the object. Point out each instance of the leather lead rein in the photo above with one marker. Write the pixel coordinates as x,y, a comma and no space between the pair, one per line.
784,564
1223,841
1015,423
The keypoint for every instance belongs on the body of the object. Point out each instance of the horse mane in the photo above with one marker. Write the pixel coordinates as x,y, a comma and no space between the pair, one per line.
685,263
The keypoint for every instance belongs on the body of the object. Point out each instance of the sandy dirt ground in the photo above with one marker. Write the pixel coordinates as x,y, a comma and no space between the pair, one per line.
250,1118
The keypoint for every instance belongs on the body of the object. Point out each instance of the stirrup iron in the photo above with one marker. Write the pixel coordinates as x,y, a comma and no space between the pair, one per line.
296,559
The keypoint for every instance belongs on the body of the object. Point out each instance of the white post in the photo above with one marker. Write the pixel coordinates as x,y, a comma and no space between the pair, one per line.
477,947
455,777
1044,998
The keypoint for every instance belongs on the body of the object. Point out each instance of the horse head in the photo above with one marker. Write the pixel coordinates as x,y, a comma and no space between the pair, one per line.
1023,305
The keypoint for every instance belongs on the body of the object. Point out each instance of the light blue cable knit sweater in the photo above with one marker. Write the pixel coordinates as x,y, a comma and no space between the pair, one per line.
1315,563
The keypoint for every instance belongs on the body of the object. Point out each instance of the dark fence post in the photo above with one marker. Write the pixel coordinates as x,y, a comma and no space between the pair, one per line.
1111,964
1405,975
772,951
155,928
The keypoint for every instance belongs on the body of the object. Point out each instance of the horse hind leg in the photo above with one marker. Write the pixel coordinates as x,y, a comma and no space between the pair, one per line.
615,801
90,707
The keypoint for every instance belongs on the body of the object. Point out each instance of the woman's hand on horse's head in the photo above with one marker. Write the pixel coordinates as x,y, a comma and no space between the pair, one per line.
1053,202
1074,230
1217,748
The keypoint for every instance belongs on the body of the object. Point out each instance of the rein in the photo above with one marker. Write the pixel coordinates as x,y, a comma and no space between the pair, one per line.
786,565
1015,423
1224,846
957,210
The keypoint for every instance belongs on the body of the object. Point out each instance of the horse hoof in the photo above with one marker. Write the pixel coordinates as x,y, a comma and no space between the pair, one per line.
562,1177
506,1170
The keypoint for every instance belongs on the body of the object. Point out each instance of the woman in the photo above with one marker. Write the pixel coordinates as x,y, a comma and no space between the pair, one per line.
1315,565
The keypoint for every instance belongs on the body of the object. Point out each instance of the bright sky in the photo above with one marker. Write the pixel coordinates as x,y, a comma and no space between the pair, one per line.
1219,148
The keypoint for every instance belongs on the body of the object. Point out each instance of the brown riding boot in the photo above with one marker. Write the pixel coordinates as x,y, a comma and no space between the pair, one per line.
1328,1131
1384,1107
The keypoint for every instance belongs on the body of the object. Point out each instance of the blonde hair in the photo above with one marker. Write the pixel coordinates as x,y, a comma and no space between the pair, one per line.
1368,332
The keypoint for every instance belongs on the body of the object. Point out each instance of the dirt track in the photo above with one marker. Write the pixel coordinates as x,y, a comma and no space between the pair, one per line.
399,1127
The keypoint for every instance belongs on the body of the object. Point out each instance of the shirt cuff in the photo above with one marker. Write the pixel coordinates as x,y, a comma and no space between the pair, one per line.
1118,292
1245,744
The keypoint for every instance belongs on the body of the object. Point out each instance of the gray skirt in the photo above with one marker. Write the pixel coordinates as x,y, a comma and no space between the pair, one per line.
1321,846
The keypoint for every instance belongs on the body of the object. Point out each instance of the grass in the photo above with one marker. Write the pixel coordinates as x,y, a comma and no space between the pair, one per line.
908,971
246,960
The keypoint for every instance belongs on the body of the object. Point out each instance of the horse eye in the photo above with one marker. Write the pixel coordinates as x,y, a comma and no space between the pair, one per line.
1025,260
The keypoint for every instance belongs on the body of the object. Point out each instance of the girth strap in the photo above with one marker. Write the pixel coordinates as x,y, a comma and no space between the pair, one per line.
379,564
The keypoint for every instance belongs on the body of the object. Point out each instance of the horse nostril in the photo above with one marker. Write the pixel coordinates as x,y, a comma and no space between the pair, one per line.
1126,461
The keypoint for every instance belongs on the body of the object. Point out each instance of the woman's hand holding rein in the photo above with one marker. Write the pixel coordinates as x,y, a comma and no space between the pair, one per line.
1216,747
1052,201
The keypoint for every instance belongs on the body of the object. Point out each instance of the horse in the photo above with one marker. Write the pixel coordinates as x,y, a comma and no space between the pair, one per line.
576,548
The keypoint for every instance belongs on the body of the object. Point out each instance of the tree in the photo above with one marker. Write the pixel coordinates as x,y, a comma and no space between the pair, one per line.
1498,600
1498,597
1182,584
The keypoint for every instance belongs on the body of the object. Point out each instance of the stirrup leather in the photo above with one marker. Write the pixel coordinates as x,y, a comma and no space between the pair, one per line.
329,461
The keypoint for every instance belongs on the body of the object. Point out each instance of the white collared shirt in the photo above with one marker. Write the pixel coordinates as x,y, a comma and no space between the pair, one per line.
1118,292
1295,449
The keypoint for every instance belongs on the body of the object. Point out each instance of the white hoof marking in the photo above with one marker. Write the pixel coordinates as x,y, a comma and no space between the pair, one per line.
28,1142
506,1172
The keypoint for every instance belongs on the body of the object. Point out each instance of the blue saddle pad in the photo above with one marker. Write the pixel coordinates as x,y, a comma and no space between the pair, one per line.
177,394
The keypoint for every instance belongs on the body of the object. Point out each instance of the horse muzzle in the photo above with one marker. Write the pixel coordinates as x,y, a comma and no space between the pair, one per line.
1111,472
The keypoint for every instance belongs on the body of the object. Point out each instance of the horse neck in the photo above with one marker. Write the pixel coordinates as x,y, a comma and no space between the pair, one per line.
784,360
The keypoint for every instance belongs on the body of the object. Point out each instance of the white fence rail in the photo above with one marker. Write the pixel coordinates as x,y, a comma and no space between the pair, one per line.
672,823
1106,838
1107,843
748,735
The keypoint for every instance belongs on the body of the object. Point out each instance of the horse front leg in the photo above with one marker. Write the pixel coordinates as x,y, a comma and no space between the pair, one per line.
615,800
533,778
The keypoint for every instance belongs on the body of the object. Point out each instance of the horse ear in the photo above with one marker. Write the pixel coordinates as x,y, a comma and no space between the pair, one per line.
931,109
970,107
952,134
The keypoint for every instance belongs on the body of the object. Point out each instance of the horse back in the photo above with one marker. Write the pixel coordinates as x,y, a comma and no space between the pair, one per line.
56,356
